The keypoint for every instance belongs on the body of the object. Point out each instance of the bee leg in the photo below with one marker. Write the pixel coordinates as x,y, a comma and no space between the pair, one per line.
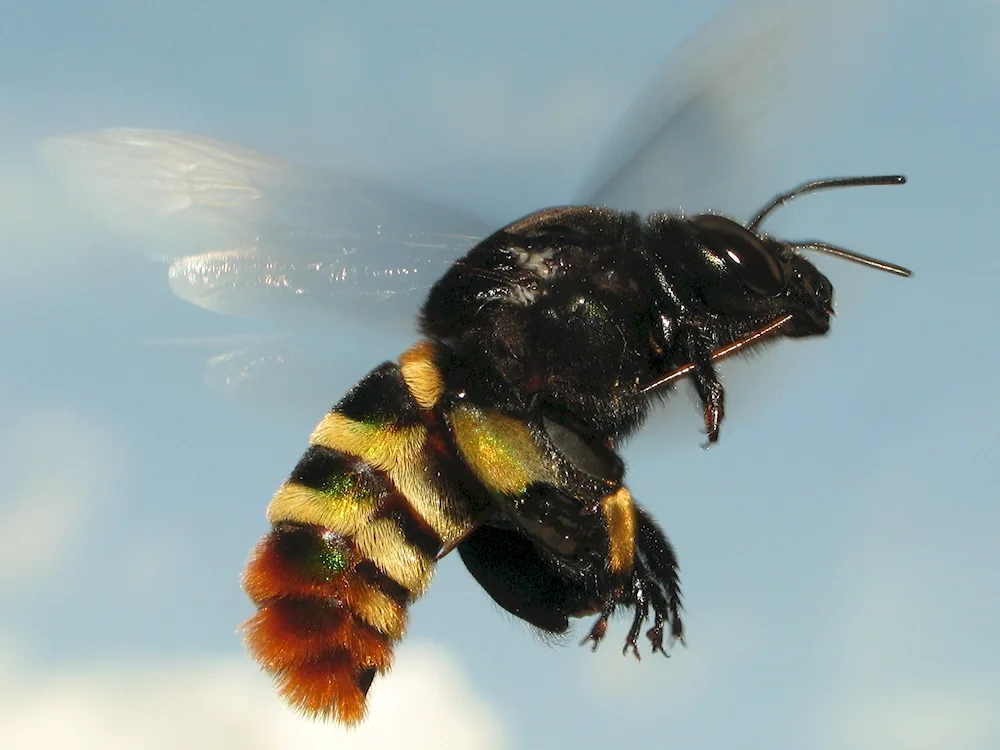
509,566
714,412
600,628
712,396
648,593
706,380
660,609
641,587
657,562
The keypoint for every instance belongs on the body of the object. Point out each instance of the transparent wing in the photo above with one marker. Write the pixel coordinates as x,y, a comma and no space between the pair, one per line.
250,234
730,121
712,129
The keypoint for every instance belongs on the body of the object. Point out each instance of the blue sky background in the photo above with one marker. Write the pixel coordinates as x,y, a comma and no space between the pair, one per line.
839,547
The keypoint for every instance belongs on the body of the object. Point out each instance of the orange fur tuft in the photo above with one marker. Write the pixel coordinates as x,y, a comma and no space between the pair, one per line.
312,628
291,632
326,688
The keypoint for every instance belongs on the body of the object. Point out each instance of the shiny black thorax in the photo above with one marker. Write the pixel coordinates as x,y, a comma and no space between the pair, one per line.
561,320
574,310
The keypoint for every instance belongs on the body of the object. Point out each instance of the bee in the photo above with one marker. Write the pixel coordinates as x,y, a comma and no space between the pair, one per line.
497,433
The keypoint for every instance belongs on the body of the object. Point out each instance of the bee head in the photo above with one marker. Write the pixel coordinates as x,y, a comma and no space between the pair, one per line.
759,276
753,285
753,273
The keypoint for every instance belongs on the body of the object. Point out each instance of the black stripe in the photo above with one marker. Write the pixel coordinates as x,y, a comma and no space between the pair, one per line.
314,550
415,530
328,470
360,624
381,398
370,573
364,679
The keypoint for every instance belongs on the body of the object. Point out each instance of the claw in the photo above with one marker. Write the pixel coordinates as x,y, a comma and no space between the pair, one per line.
641,604
635,649
597,632
713,396
655,635
714,413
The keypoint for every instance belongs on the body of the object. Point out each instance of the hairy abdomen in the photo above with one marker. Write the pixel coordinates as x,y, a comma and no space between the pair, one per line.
355,532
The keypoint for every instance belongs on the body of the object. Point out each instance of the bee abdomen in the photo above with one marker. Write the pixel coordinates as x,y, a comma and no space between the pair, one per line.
355,532
327,618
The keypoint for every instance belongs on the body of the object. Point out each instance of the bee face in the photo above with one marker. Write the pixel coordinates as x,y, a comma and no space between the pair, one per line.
810,296
749,278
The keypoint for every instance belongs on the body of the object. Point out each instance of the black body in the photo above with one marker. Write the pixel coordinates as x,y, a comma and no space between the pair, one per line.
576,309
560,320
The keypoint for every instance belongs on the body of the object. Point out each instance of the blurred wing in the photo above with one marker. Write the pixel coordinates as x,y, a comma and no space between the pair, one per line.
730,121
711,131
288,375
250,234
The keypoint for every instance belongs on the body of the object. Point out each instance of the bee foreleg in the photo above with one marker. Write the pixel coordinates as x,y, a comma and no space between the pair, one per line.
705,378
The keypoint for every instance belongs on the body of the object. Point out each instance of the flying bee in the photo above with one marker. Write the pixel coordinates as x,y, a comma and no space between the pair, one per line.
542,349
496,434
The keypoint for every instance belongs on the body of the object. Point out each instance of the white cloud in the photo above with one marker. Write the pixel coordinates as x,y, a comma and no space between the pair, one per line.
426,702
58,469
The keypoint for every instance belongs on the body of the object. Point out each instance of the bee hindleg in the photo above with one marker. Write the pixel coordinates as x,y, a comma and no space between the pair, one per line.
660,609
642,585
657,563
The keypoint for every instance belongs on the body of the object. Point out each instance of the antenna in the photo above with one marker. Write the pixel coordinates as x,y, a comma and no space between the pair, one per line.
826,184
843,252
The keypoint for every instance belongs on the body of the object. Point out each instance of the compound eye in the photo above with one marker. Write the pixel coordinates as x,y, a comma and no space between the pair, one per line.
742,253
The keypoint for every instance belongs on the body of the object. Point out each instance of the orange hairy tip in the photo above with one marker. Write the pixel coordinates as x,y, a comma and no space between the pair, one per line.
289,632
328,688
